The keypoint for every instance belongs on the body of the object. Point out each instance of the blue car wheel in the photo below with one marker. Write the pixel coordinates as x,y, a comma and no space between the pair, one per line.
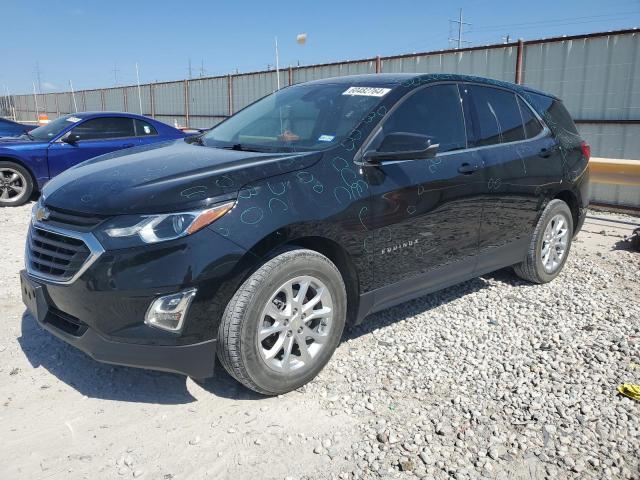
16,185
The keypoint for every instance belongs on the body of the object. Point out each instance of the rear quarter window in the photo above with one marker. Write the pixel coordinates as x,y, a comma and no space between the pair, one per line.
144,129
555,115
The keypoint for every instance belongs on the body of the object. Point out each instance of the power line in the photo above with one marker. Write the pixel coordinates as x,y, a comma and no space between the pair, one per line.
489,35
562,21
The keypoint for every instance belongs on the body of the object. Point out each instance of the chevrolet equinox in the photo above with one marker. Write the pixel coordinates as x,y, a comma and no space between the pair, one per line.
259,240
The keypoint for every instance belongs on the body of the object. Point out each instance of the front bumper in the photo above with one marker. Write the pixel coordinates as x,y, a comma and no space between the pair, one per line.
102,310
195,360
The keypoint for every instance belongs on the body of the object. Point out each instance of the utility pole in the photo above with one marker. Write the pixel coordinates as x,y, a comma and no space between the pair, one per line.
139,92
115,75
38,73
459,41
202,70
35,100
190,70
277,65
73,95
506,38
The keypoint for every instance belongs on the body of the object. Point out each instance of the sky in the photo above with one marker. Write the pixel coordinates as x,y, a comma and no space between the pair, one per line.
97,43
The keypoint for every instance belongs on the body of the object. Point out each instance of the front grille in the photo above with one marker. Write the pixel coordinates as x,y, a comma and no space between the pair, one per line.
54,255
74,220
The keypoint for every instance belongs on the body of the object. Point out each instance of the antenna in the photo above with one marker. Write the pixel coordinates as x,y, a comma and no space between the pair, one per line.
459,41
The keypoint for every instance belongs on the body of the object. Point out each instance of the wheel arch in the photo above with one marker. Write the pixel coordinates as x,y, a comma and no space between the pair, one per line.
341,259
570,198
279,240
19,161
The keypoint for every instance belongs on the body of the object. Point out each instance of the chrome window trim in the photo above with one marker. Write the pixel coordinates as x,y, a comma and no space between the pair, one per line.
92,243
545,130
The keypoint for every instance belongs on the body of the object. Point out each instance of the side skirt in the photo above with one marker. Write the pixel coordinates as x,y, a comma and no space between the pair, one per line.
440,278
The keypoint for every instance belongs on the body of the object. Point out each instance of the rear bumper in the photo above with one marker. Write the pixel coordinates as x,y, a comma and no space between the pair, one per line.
195,360
582,214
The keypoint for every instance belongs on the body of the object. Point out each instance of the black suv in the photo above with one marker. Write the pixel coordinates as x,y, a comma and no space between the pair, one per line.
309,209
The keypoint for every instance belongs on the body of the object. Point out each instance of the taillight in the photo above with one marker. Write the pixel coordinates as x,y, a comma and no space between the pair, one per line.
586,150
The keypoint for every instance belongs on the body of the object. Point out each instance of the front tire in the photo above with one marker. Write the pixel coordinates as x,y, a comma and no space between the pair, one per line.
550,244
284,322
16,185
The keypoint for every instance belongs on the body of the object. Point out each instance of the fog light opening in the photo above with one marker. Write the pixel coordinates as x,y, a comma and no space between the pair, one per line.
169,311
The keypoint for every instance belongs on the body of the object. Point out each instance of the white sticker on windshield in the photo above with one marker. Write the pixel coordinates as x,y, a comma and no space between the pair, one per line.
73,119
326,138
367,91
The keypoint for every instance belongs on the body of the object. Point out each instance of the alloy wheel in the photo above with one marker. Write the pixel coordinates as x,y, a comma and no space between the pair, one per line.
295,324
554,243
13,185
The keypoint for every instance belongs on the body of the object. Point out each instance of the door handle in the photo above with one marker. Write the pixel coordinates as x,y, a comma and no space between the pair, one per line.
127,145
467,168
546,152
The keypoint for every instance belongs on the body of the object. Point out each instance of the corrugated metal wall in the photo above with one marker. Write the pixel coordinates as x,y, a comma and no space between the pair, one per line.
498,63
597,76
316,72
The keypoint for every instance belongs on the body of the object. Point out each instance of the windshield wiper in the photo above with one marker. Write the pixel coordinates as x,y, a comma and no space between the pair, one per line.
241,148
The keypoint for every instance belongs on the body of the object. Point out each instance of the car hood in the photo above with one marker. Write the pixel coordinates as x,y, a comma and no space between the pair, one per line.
165,177
8,141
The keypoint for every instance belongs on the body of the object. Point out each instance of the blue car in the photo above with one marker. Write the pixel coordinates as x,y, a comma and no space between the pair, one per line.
13,129
27,162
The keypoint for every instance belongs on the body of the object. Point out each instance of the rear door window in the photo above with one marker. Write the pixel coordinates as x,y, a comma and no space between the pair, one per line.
498,116
104,128
434,111
532,126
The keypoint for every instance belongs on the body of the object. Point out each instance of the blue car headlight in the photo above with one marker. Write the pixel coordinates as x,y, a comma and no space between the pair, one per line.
130,230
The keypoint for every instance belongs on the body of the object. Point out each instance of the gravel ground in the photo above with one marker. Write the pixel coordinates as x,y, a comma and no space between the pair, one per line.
494,378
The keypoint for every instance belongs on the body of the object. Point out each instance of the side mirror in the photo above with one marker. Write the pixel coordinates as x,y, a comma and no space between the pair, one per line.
71,139
402,146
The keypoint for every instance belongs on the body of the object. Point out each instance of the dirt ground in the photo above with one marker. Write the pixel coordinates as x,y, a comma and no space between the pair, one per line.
63,415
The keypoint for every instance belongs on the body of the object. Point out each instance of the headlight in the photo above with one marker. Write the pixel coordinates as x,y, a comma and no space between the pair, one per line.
125,231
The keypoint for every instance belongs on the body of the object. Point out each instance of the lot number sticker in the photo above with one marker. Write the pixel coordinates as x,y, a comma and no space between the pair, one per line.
367,91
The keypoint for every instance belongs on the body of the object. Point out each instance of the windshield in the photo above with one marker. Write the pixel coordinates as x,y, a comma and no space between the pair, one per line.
51,130
298,118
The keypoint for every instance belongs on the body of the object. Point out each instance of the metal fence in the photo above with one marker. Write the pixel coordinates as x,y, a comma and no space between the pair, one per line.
597,75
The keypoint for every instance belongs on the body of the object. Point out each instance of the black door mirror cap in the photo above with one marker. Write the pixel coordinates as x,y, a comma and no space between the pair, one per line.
71,139
419,147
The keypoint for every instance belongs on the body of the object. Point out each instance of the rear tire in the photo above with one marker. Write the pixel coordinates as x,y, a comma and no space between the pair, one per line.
16,184
550,244
284,322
